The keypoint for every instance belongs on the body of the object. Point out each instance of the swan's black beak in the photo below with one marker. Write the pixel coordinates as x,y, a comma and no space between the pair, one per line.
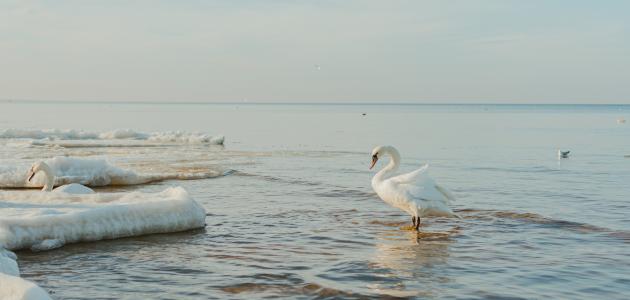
374,160
30,175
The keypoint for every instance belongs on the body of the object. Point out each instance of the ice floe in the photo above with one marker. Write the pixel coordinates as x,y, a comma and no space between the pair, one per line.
12,287
43,221
16,288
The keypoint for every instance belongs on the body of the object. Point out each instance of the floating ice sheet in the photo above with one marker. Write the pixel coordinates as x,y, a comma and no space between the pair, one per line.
42,221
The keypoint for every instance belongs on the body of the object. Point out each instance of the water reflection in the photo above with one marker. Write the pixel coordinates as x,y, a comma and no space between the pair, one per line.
413,259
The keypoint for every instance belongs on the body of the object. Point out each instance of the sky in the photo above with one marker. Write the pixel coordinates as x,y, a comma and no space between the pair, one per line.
442,51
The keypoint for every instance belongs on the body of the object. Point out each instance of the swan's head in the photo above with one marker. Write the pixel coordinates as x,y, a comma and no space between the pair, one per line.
36,167
379,152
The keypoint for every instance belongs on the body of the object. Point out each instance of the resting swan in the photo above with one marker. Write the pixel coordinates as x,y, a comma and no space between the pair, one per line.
73,188
415,192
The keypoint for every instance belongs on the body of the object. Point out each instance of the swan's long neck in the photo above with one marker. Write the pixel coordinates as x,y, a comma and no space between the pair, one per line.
50,177
391,167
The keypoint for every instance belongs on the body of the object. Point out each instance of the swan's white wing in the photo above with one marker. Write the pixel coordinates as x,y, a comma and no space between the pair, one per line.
420,190
425,185
447,193
427,197
413,176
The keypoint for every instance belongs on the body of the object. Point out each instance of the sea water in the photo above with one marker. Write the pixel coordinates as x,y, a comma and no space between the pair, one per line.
293,213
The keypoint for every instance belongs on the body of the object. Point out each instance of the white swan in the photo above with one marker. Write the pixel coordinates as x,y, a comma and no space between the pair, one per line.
73,188
415,192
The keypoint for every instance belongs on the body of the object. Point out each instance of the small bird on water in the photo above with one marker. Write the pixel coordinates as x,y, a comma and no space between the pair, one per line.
563,154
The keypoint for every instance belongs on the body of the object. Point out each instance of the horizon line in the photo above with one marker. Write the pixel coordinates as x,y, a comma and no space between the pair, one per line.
290,103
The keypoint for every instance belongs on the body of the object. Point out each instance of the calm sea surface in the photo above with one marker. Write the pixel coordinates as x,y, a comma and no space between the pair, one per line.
298,217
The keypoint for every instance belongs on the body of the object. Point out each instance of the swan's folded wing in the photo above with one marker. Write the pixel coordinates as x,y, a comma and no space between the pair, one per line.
447,194
419,185
412,177
424,191
428,198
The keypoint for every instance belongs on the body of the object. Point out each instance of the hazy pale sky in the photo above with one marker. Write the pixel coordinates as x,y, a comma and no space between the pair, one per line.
527,51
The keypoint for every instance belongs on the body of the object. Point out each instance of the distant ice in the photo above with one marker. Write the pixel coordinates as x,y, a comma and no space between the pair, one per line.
89,172
47,136
48,220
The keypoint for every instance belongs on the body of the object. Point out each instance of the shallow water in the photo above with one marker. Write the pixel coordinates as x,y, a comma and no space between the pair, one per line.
297,216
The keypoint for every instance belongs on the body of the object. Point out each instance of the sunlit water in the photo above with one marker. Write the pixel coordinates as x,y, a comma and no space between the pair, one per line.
298,217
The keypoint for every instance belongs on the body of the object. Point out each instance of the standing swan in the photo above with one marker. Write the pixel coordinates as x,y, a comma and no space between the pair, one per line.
73,188
415,192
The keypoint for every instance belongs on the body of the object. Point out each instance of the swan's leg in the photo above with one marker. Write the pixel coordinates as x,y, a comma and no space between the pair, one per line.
410,227
417,224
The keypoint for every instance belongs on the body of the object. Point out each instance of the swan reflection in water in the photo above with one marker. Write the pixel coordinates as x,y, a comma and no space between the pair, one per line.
414,259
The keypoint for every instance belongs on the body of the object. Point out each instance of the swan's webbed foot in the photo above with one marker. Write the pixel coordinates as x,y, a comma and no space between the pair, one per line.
414,224
408,227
